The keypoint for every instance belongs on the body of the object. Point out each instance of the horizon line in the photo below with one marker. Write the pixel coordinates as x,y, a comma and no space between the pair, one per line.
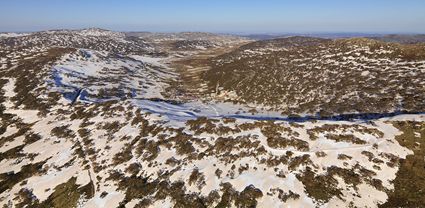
226,32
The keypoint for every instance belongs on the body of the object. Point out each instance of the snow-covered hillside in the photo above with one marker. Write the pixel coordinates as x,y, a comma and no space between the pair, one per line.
10,35
100,76
95,39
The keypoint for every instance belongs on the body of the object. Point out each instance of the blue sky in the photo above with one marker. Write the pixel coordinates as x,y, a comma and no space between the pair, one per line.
243,16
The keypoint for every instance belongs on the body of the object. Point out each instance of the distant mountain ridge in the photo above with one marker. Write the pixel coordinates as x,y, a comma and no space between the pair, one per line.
404,39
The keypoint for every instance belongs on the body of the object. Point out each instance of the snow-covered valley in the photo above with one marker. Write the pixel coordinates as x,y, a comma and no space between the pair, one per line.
114,126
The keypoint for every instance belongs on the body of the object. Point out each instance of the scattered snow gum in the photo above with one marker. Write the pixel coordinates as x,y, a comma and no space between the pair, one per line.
58,152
